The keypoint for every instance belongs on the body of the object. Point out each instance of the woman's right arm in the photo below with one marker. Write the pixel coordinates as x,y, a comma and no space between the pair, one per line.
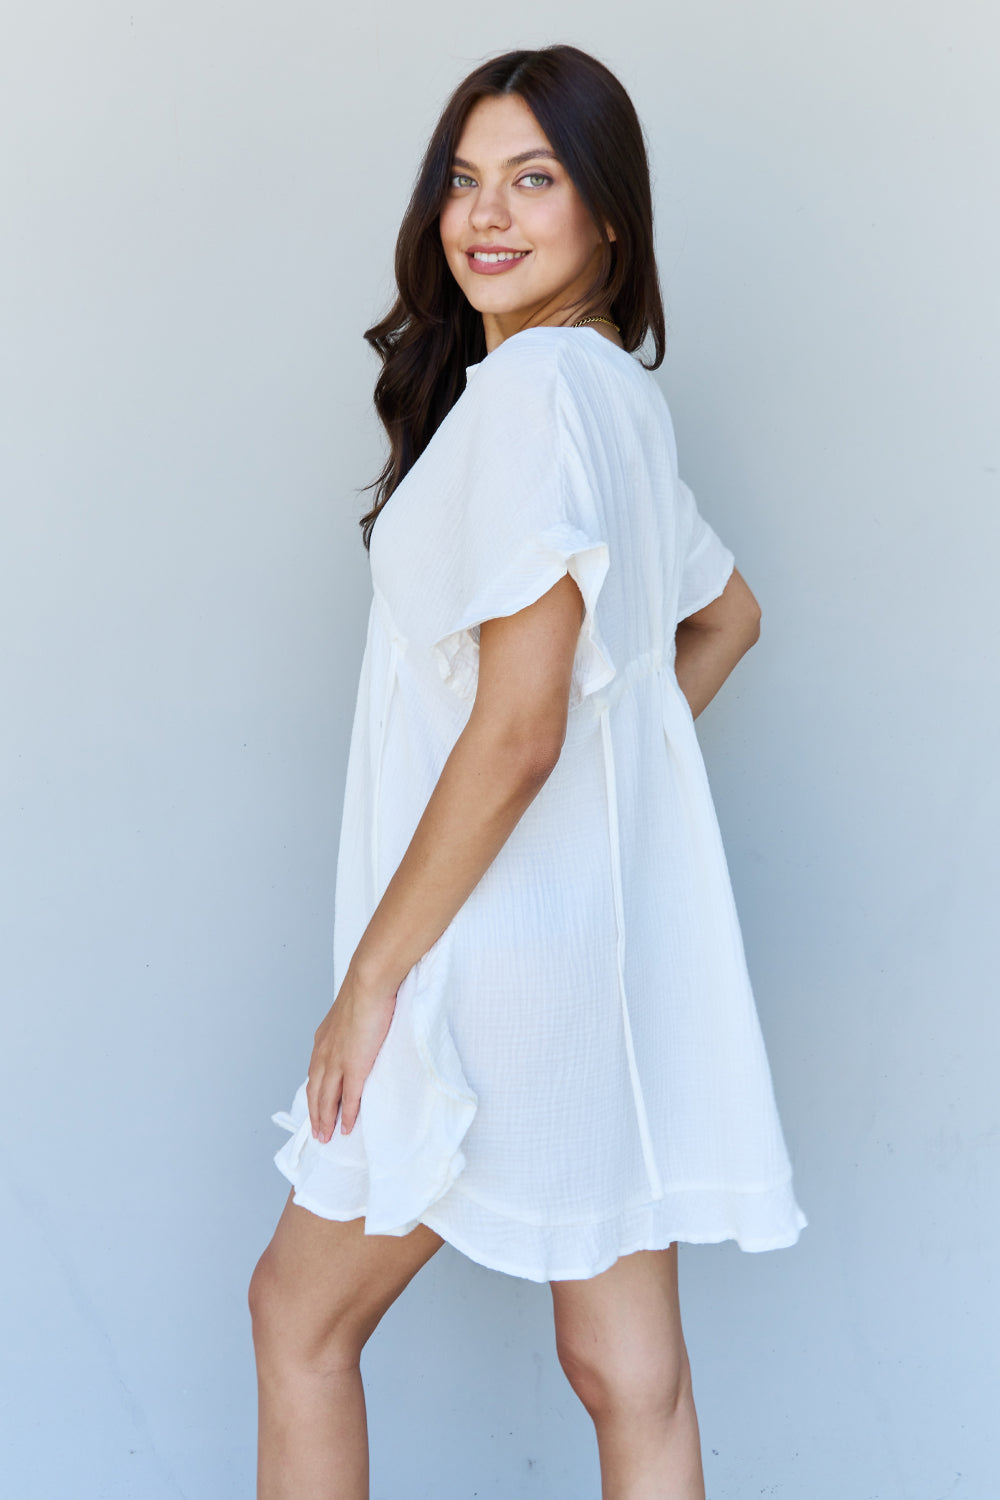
498,765
711,641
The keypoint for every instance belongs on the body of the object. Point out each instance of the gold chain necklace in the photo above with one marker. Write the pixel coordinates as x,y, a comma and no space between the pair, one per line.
580,322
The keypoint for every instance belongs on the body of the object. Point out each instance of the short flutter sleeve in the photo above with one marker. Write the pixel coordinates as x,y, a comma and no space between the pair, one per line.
528,568
510,496
708,562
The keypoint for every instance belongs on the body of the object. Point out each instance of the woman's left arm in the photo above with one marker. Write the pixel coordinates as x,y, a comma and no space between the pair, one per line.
712,640
500,761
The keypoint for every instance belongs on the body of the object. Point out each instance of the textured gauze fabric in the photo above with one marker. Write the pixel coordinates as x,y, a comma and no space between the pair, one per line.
575,1070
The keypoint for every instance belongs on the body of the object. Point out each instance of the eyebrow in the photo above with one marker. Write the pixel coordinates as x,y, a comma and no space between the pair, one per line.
512,161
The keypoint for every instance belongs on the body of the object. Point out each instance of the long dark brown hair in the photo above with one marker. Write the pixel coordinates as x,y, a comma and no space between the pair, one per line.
432,332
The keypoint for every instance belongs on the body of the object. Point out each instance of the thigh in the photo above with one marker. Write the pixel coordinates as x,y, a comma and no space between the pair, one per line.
625,1319
319,1275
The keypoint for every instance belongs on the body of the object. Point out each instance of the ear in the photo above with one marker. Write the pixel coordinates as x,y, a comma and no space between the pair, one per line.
609,232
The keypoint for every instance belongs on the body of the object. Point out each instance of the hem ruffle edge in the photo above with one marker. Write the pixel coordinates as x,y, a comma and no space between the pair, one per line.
404,1152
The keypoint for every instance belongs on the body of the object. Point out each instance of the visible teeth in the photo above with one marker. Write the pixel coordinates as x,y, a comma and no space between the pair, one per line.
498,255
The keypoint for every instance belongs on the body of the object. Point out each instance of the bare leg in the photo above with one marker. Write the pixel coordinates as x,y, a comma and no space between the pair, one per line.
619,1340
316,1296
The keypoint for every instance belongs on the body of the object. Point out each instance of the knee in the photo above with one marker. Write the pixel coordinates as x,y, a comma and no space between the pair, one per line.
262,1293
287,1334
652,1381
266,1299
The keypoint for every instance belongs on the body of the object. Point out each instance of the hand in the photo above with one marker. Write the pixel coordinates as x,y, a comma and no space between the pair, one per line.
346,1044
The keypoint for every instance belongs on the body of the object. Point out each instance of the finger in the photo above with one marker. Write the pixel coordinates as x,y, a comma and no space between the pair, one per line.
328,1103
314,1098
351,1106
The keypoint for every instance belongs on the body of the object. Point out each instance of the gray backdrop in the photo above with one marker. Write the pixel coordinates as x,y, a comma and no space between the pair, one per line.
200,205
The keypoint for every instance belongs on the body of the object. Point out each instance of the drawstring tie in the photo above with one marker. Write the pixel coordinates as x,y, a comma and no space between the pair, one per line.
390,685
649,1157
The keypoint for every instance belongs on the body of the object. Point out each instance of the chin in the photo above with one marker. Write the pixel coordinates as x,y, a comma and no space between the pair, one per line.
495,306
489,296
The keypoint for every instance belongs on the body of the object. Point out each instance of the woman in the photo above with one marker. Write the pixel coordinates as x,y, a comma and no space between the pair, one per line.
543,1046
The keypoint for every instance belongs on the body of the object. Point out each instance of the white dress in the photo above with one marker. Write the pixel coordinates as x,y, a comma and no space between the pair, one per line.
575,1069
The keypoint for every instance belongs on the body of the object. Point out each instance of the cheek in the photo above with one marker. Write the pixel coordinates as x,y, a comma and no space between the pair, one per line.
448,228
566,232
580,233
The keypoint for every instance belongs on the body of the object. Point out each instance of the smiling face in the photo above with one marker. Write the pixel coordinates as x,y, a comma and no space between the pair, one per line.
515,232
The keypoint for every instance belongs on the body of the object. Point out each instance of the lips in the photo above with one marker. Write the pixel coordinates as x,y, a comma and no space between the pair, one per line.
490,259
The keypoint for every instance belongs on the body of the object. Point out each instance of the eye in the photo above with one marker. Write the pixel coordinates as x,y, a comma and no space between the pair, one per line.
459,180
539,177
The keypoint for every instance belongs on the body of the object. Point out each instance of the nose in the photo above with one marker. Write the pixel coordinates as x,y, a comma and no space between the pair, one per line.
489,209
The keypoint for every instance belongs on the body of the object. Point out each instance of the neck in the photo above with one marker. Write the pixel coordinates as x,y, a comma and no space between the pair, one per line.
601,323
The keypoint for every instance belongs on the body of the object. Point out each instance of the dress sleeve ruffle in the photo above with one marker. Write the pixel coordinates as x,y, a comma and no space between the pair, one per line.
708,562
405,1150
515,496
536,566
